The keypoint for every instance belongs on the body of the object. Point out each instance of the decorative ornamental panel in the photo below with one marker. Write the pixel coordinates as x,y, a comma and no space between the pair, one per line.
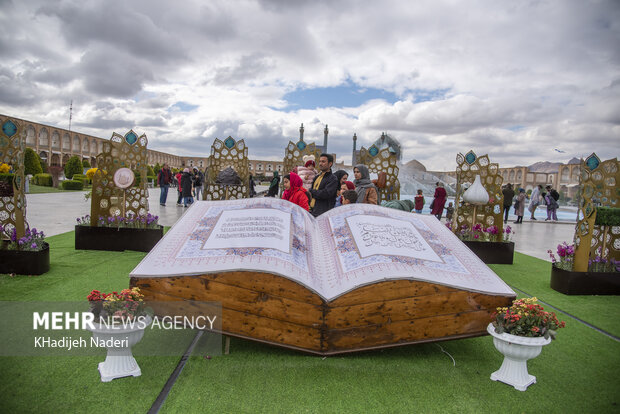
468,166
110,198
382,160
12,194
229,153
294,153
599,188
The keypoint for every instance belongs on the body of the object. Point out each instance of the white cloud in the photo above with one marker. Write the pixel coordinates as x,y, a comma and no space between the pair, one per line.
513,80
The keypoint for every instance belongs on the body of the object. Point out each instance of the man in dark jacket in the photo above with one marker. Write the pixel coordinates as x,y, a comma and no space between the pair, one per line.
164,179
186,188
199,179
509,194
324,187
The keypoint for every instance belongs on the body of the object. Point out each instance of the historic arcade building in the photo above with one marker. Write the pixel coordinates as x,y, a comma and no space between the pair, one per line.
56,145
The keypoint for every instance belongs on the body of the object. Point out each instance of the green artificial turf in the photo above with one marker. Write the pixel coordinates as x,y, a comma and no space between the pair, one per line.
576,373
417,378
533,276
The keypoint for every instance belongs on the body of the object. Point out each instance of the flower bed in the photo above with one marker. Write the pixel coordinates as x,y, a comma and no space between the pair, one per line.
28,255
584,283
492,252
491,246
25,262
118,234
602,277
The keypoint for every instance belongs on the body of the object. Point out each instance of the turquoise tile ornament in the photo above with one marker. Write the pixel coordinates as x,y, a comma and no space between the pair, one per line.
131,138
9,128
470,157
593,162
229,142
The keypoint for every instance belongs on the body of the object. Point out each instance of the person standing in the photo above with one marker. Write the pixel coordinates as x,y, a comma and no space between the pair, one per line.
324,187
520,206
252,188
439,201
342,176
294,191
186,187
199,179
418,202
552,203
534,201
365,189
509,194
179,189
449,212
274,186
164,179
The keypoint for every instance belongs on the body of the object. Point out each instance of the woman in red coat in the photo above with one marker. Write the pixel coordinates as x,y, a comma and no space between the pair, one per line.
294,192
439,201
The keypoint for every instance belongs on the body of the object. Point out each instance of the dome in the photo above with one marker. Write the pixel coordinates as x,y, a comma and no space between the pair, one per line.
387,141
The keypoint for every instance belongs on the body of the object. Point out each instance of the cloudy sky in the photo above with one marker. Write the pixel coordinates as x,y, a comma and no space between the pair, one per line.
519,80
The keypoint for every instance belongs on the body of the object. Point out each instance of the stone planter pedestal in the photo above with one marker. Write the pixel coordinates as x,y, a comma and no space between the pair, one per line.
517,350
119,361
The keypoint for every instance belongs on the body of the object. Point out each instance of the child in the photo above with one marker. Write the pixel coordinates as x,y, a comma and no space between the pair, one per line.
307,172
294,192
449,212
349,197
418,202
346,185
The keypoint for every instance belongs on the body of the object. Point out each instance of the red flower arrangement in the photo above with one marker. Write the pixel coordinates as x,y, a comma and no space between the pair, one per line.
527,318
126,305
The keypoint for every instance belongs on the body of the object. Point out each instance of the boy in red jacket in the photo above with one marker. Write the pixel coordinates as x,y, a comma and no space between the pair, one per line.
294,192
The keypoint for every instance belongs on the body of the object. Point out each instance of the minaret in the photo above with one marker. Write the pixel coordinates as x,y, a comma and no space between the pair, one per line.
325,132
301,132
353,158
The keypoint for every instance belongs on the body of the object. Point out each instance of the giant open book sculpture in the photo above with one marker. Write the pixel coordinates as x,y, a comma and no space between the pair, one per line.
358,277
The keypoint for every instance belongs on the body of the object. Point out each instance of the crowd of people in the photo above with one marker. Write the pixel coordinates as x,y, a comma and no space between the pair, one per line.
548,197
189,184
317,189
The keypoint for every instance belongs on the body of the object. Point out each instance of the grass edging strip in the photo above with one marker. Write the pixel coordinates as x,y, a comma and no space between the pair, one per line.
589,325
161,398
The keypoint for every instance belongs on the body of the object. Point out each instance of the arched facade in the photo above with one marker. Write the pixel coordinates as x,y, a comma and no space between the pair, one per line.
56,145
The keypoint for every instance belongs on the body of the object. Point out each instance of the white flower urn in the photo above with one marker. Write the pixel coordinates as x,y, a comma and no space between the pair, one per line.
118,339
476,193
517,350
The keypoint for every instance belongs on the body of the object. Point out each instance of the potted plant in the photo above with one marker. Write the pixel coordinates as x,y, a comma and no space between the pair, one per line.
519,332
602,277
118,233
27,255
120,320
489,244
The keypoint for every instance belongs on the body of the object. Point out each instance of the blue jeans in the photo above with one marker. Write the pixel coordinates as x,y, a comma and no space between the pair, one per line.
163,195
188,200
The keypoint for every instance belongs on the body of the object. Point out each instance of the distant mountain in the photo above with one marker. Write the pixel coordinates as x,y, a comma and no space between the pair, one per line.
574,160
